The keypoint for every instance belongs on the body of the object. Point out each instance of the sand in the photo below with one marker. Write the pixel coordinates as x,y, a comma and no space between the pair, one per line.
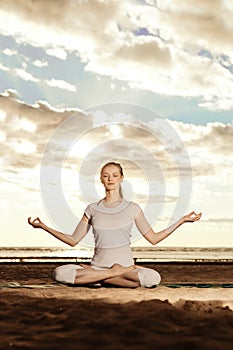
37,313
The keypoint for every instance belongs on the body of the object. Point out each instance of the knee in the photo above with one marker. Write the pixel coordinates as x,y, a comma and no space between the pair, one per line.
65,274
148,277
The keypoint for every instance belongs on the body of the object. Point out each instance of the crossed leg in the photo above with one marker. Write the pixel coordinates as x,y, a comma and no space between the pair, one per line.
128,279
117,275
131,277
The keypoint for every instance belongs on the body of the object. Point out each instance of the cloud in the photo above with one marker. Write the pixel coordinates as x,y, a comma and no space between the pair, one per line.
182,51
9,52
36,124
23,74
22,146
208,22
40,64
57,52
213,138
4,68
215,104
55,83
61,84
27,129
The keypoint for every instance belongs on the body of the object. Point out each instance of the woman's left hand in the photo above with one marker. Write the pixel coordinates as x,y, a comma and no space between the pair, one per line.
191,217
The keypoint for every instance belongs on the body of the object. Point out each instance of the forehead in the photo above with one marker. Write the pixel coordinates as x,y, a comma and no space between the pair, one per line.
111,169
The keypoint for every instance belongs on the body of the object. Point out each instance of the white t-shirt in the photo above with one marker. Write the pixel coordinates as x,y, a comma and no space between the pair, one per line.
112,226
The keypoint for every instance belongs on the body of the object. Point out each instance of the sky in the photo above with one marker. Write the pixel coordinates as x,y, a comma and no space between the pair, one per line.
146,83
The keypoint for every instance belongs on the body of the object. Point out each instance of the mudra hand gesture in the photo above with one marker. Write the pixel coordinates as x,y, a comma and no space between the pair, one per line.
36,223
191,217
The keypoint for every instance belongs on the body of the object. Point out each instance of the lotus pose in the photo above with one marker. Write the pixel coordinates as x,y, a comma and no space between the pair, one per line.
111,218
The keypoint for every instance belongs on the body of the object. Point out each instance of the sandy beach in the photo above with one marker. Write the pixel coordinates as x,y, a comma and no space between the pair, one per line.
192,308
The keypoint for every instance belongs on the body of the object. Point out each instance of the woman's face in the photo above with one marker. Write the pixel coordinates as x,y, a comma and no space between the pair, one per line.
111,177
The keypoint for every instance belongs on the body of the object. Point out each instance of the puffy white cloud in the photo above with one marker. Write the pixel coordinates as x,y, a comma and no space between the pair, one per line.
61,84
40,64
9,52
3,67
23,146
57,52
27,125
23,74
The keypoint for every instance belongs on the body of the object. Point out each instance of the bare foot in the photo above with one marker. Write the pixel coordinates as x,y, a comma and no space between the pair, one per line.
137,266
119,269
85,266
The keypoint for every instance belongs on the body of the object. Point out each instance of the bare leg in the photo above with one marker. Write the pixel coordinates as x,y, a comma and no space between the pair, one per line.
90,275
129,279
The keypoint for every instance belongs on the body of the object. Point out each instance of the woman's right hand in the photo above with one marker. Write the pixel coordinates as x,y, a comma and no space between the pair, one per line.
36,223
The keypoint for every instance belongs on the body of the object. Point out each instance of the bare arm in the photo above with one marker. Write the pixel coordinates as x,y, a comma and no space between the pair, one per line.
156,237
78,234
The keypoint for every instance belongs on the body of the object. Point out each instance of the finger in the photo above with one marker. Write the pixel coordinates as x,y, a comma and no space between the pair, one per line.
37,220
197,217
191,215
30,221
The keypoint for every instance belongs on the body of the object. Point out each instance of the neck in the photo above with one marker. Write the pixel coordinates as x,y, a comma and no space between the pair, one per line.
112,196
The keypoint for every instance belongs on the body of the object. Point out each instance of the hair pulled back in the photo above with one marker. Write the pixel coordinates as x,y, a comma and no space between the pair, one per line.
119,166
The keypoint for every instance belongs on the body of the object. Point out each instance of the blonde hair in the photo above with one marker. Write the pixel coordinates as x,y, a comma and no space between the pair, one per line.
118,165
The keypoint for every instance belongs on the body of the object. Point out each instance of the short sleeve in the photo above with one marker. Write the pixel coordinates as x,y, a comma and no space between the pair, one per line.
135,209
88,212
141,222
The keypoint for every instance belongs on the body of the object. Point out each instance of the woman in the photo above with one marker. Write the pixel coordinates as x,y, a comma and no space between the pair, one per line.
111,218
